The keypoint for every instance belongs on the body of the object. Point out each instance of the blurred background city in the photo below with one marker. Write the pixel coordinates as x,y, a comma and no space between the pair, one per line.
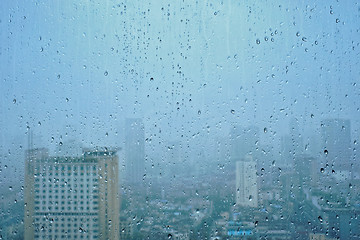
179,120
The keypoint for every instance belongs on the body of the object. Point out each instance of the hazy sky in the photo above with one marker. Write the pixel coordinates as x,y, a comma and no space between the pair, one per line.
190,69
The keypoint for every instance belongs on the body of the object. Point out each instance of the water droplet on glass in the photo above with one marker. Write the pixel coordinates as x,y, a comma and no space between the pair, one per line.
322,170
60,143
298,34
106,73
14,100
266,38
265,130
320,218
257,41
326,152
232,111
337,20
199,112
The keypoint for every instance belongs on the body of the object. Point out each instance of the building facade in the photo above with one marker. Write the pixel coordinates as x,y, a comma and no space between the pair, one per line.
336,143
72,198
246,183
134,150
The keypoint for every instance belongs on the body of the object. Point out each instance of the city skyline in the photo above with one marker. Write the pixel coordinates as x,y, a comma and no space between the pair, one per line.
193,120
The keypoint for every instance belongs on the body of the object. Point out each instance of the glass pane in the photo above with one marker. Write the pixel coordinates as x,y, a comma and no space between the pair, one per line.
179,119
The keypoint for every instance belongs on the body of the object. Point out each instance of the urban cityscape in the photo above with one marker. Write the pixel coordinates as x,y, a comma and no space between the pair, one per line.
298,193
184,120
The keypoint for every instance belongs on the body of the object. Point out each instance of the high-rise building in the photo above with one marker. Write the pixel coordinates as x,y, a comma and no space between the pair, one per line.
72,197
243,141
246,183
291,145
305,172
134,150
336,143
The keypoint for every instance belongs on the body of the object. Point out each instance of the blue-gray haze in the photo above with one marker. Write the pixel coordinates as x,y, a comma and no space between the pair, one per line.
190,69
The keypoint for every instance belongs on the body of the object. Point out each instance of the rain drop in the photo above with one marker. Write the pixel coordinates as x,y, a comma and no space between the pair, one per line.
326,152
258,41
106,73
232,111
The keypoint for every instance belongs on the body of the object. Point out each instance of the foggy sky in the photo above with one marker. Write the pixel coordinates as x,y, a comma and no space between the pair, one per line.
190,69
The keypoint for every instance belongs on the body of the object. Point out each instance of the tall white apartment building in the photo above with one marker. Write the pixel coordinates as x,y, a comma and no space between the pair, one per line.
246,183
72,197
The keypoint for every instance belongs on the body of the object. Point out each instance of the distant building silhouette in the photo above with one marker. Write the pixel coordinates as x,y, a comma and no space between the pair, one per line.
306,171
134,150
246,183
291,145
243,141
336,143
72,197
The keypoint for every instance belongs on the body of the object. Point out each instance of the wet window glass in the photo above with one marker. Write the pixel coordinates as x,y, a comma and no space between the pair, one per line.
179,119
